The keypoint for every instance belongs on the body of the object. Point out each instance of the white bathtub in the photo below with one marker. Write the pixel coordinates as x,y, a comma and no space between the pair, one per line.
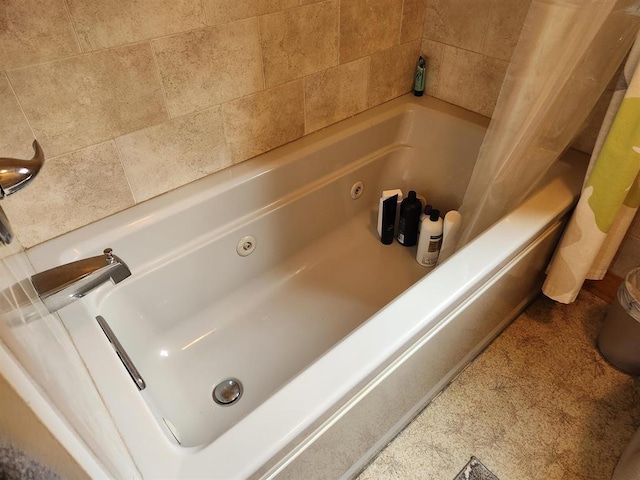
337,339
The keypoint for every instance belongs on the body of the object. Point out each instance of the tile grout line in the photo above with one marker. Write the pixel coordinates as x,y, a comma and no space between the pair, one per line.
73,25
219,105
78,150
124,45
24,114
465,49
423,22
165,99
226,139
486,29
304,105
367,83
124,169
401,22
339,31
204,12
264,67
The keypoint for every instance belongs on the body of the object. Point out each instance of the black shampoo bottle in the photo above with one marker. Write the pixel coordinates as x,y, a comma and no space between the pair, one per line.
389,207
409,218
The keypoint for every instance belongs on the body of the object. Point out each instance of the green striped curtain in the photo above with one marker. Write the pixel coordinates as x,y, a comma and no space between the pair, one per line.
610,197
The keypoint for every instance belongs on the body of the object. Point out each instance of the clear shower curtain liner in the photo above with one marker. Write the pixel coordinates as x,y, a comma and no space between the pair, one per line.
566,55
39,342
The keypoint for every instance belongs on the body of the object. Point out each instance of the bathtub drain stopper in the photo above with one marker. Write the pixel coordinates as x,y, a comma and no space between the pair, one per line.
227,392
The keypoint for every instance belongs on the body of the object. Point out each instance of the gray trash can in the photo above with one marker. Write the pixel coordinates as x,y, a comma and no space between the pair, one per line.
619,339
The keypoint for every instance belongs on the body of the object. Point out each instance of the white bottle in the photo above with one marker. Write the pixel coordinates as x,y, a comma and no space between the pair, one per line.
450,230
430,240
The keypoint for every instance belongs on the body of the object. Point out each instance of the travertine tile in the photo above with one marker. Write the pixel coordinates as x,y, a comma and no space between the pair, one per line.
207,67
15,134
540,402
84,100
504,26
433,53
34,31
335,94
110,23
471,80
413,12
368,26
299,41
392,72
70,191
462,23
223,11
266,120
166,156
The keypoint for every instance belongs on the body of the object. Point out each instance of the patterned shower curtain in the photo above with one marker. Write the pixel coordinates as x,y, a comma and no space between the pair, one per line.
610,197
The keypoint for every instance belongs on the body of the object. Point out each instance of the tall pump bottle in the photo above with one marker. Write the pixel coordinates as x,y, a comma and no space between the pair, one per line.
430,240
409,217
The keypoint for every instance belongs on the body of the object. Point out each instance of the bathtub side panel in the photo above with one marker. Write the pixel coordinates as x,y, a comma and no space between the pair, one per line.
357,433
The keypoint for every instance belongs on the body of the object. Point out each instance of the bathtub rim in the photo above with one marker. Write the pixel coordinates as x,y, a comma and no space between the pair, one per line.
254,455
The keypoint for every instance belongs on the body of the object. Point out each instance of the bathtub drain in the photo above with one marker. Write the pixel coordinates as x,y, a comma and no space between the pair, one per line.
227,392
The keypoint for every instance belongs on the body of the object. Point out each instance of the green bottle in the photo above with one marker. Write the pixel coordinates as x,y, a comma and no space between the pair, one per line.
418,84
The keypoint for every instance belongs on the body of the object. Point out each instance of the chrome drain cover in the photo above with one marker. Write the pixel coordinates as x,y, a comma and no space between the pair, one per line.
227,392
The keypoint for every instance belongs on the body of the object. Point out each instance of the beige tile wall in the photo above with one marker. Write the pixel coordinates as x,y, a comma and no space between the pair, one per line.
132,99
161,93
468,44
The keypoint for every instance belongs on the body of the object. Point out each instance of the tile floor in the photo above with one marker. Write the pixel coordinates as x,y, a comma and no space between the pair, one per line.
538,403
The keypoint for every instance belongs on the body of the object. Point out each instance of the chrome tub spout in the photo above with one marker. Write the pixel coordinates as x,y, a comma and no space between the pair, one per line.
62,285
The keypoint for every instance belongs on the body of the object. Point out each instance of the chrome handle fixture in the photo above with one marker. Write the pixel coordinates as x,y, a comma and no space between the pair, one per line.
122,353
62,285
16,174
